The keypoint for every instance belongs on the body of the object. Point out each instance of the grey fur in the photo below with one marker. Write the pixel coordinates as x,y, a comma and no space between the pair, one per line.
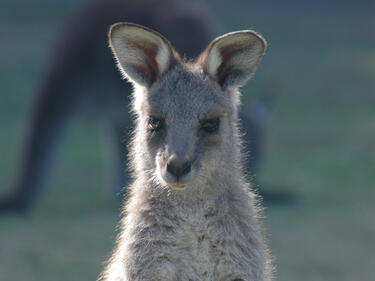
206,226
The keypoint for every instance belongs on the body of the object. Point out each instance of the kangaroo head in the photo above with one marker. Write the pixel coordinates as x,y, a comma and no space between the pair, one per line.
186,112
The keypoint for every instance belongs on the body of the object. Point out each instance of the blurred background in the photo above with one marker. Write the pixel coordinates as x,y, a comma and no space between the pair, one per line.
317,137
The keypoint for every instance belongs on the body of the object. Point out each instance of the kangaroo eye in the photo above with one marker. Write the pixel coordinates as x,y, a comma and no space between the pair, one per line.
211,126
155,124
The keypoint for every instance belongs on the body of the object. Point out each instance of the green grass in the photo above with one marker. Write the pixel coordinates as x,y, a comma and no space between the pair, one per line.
320,146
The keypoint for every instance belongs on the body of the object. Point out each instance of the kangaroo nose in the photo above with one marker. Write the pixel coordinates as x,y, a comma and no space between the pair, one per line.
178,166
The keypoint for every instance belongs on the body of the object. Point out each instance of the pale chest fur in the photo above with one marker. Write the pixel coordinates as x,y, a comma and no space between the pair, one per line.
203,241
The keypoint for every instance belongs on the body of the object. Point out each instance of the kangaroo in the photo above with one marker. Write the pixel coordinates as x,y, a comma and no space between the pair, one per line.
79,82
190,214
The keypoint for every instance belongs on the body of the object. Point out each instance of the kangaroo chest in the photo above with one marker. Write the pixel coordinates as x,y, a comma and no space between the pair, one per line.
199,242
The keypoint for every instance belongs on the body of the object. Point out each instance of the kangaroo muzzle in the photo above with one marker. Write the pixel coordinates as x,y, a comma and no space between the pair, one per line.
177,171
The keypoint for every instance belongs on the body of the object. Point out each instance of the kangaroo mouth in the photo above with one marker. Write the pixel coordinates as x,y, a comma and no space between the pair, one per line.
178,185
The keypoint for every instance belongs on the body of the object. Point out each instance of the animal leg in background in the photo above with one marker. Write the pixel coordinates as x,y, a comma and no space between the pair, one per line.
50,116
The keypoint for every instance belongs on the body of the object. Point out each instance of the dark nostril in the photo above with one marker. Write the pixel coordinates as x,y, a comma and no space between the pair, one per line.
171,169
187,167
178,169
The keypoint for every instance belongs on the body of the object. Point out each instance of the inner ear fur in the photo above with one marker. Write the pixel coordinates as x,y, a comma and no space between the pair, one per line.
231,59
142,55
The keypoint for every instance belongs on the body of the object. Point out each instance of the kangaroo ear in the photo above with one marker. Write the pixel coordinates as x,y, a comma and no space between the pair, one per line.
142,54
232,59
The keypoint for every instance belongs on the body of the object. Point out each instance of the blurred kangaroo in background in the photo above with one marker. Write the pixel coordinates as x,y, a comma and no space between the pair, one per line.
81,78
190,213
